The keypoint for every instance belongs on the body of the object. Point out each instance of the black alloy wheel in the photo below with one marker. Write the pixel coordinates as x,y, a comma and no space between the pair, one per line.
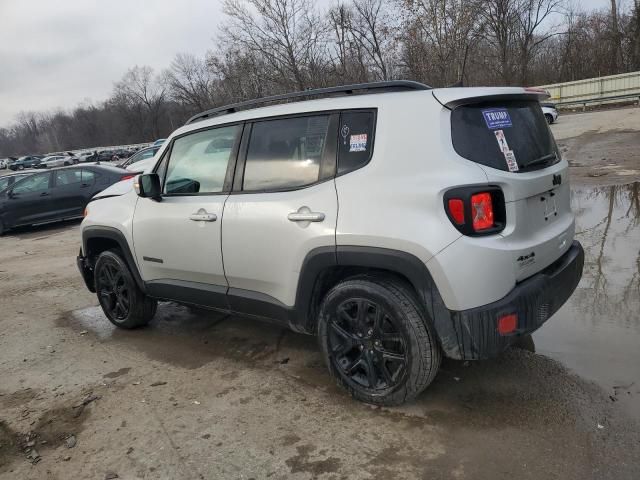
113,291
122,301
376,339
366,345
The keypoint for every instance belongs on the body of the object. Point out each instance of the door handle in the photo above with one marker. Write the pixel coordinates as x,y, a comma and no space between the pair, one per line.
306,216
44,194
203,217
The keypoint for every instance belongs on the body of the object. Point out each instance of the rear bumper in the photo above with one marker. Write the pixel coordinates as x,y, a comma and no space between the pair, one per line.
533,300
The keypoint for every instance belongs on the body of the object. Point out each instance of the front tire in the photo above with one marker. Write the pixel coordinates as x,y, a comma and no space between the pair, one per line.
376,341
549,118
122,301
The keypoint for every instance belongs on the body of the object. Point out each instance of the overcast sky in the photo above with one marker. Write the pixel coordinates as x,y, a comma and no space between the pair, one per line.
59,53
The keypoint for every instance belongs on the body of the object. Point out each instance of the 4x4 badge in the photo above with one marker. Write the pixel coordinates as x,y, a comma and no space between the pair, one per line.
557,179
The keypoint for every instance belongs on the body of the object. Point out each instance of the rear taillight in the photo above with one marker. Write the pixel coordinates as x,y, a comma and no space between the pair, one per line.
482,211
476,210
456,209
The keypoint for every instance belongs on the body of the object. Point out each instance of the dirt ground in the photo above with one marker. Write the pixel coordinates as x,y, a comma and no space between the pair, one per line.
198,395
601,146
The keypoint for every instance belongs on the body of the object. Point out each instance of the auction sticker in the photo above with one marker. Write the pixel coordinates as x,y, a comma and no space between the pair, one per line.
496,118
358,143
510,157
502,141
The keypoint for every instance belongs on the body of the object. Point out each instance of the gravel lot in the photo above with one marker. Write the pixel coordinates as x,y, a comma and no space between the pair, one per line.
202,395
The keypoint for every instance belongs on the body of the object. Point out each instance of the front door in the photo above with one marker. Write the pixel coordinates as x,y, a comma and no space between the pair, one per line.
29,200
283,206
177,239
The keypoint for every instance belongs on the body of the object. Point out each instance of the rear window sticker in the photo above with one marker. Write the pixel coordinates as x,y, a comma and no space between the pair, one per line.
358,143
496,118
502,141
510,157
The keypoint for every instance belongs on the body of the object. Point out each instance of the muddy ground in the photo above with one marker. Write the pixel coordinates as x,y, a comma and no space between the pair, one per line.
201,395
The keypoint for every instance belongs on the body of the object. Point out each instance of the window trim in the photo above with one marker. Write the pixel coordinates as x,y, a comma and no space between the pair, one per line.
226,186
328,162
374,111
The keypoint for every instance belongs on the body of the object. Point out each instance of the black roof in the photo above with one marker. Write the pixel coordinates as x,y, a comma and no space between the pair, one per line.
359,88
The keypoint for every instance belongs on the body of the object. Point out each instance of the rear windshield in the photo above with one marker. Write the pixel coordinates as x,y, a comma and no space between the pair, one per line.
510,135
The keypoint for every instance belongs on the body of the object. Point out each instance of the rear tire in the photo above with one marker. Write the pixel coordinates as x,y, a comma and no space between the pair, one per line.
122,301
376,341
549,118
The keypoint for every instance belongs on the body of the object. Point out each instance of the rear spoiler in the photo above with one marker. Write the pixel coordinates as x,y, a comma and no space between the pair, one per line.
454,97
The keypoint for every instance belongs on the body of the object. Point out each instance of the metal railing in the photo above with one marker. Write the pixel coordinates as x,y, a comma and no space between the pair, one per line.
609,89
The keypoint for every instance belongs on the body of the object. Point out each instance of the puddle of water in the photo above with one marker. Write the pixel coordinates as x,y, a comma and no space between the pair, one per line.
597,332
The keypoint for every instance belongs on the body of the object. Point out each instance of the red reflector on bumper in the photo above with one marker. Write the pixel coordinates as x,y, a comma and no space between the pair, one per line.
507,324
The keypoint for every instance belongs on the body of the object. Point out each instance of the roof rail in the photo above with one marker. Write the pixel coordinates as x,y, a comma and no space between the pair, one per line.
373,87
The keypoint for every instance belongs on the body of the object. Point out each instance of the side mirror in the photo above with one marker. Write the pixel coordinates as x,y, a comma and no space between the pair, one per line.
148,186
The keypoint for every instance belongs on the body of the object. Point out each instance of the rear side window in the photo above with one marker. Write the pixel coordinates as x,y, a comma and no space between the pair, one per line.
88,177
67,177
285,153
355,140
510,135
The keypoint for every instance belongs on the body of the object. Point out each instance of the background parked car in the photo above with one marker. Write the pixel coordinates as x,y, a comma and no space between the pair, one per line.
158,142
7,181
4,162
56,194
28,161
550,112
143,154
56,161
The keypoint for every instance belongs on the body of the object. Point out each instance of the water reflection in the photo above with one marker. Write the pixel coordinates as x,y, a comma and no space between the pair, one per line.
597,333
608,225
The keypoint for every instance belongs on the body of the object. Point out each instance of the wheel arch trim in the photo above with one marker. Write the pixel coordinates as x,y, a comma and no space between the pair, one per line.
113,234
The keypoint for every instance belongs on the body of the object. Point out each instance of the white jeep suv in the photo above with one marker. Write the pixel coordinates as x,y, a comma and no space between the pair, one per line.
396,222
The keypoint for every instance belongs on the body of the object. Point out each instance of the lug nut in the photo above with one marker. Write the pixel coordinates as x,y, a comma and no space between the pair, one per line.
370,332
361,347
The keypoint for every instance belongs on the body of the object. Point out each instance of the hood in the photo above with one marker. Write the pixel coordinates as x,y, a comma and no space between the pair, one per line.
143,166
117,189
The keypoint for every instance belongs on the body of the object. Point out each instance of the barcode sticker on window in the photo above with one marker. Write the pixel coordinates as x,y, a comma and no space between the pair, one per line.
358,143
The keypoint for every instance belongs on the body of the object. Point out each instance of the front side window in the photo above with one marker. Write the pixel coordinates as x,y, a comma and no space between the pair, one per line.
33,184
198,162
4,183
285,153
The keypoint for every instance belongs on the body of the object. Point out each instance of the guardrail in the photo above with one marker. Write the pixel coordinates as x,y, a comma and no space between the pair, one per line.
601,100
609,89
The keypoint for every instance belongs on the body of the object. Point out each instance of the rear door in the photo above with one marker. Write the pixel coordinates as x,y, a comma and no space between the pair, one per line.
284,205
68,192
509,138
29,200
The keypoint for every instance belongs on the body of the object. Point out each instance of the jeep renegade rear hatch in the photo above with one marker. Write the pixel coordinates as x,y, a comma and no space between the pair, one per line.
508,135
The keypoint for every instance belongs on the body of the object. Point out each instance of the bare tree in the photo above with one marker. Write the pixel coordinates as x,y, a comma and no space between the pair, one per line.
372,28
190,81
144,94
447,28
531,16
286,34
